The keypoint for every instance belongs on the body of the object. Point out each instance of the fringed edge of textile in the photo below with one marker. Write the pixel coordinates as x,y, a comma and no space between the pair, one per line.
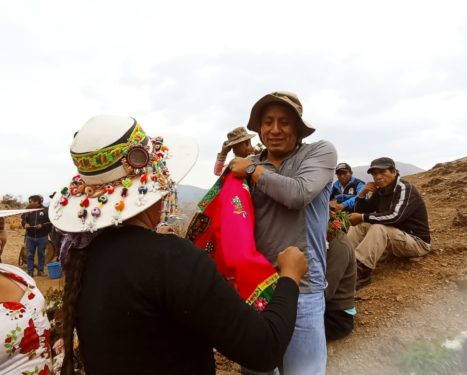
261,296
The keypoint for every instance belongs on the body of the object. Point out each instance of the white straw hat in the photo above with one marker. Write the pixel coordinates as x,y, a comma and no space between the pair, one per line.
121,172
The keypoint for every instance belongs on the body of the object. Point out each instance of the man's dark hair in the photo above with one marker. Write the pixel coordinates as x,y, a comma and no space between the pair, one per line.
36,198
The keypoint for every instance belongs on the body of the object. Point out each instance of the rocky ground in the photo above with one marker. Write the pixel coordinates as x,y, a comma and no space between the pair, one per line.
408,301
414,301
411,302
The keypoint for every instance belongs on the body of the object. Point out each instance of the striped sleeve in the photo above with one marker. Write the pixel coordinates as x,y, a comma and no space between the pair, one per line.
402,207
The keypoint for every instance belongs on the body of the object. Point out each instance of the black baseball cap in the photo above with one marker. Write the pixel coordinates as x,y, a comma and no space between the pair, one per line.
343,167
381,163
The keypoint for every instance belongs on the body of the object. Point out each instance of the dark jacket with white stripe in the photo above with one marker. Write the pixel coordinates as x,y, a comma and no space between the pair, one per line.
35,218
399,205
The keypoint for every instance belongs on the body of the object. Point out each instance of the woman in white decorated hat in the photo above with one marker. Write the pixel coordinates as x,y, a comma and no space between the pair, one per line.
143,302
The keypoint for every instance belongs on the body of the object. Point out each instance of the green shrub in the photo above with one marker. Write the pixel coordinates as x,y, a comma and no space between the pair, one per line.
10,201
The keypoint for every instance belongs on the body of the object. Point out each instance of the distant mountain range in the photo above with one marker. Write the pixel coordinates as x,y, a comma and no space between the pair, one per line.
189,193
193,194
404,169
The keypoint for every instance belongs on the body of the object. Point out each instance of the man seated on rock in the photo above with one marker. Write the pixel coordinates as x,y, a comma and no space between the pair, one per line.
341,272
393,219
345,189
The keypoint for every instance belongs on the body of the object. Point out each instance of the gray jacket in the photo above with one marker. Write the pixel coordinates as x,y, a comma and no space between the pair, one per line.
292,207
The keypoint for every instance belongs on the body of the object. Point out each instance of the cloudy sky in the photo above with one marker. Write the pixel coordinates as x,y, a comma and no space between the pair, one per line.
376,78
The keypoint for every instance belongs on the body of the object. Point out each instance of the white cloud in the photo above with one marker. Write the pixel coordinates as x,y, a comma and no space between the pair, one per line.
376,78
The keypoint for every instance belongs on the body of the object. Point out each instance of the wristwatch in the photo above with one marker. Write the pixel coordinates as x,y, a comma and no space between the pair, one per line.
250,169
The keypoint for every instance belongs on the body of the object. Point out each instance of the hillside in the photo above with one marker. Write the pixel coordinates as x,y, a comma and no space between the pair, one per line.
407,302
410,301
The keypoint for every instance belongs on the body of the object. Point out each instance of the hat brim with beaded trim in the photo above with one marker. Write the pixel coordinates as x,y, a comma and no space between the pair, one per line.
121,172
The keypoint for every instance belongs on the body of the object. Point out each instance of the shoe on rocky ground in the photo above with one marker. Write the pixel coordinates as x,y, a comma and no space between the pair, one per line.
41,273
416,259
363,275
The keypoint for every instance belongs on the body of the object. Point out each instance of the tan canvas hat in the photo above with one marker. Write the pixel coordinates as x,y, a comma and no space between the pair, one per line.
121,172
238,135
304,128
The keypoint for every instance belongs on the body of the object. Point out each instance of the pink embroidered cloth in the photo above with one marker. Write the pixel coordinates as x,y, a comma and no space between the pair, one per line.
225,229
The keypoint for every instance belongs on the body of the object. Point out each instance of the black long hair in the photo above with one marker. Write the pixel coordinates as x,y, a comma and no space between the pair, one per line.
73,270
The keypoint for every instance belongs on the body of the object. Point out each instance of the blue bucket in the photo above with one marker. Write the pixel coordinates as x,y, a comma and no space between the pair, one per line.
55,270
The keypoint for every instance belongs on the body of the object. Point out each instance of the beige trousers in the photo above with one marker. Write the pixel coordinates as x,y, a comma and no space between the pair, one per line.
370,241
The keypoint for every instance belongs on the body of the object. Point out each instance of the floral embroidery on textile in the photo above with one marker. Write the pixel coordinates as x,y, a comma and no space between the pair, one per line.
30,341
238,207
10,341
209,247
46,338
44,371
198,225
17,278
26,334
31,295
260,298
211,194
260,304
16,309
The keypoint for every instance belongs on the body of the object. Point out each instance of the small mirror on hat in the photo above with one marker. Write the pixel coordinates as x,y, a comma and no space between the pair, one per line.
137,157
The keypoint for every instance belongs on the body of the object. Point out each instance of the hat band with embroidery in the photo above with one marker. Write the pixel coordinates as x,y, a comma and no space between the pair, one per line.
122,171
148,163
126,149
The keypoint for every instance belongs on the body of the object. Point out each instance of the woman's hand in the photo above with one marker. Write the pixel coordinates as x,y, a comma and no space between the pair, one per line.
292,263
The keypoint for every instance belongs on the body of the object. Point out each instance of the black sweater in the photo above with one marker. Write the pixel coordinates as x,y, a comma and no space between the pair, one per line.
154,304
399,205
33,219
